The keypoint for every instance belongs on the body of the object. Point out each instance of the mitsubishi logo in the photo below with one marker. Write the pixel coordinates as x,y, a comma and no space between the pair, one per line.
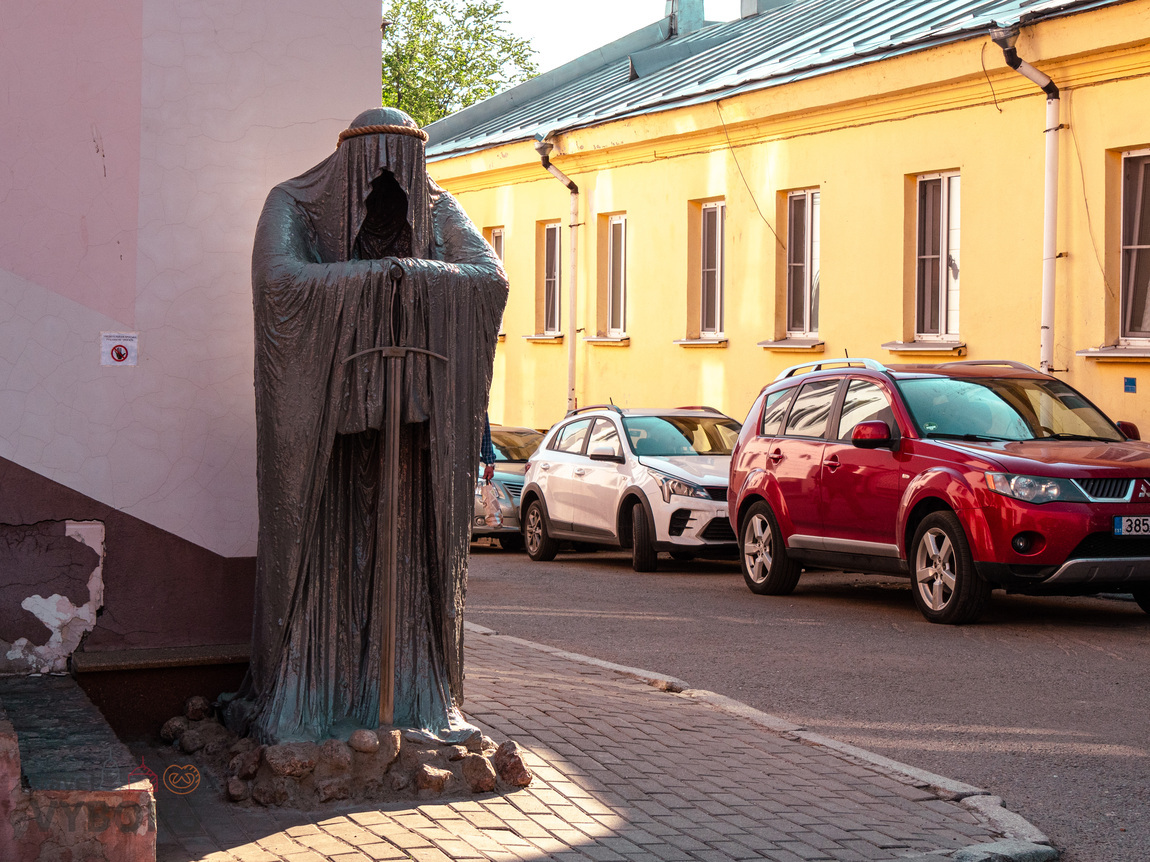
1143,490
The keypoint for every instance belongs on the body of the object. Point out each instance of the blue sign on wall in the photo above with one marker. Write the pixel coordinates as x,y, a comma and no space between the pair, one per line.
1131,384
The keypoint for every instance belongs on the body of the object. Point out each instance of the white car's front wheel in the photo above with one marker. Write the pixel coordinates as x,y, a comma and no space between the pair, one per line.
540,546
644,557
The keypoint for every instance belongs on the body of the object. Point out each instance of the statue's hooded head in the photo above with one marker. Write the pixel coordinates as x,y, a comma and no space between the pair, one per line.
379,155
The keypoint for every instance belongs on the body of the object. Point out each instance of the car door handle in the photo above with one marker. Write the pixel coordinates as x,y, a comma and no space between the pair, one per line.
832,463
776,456
579,471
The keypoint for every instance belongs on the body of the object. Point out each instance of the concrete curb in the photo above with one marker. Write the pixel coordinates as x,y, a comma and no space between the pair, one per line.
1023,841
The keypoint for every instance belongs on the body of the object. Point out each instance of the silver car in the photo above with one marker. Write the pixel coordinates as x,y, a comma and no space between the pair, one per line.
513,446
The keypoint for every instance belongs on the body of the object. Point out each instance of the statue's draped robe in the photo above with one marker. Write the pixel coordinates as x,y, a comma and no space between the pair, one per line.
320,586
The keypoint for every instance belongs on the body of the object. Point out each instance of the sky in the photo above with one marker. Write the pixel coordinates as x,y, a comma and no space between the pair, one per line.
562,33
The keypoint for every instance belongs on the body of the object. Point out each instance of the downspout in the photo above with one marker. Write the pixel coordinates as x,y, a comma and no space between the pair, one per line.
544,147
1006,38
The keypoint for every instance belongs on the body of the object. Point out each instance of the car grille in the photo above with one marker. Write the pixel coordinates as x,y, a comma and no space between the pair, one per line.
1106,489
1104,545
719,530
717,493
515,489
679,521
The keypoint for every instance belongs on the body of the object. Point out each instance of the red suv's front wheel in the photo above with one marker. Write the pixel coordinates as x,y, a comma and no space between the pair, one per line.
767,568
947,589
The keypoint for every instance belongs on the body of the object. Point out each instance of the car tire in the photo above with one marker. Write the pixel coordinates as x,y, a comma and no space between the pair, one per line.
1142,597
511,542
947,588
767,567
644,557
540,546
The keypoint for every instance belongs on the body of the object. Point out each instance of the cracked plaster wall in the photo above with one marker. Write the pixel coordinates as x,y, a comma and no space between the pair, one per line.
51,589
139,142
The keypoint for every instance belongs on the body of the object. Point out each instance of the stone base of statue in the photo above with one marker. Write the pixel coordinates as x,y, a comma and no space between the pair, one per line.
384,765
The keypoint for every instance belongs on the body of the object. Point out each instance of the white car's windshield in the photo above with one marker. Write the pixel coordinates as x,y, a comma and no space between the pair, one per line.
670,436
1003,409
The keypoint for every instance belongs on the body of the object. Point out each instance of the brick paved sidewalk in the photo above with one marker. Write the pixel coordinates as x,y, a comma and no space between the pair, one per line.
623,771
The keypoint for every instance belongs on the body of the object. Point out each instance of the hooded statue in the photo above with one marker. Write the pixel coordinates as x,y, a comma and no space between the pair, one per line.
361,252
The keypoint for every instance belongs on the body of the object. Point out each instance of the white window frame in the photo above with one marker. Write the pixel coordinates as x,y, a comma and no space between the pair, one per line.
711,307
1130,252
552,280
617,285
803,263
497,247
948,235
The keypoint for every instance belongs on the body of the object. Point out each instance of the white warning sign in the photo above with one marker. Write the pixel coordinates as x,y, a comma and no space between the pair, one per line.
118,348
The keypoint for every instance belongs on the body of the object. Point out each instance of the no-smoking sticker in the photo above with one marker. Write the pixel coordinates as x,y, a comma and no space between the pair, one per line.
118,348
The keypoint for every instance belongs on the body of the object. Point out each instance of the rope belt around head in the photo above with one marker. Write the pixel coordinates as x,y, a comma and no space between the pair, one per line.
382,130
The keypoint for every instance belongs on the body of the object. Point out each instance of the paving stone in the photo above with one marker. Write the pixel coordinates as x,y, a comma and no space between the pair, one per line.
702,788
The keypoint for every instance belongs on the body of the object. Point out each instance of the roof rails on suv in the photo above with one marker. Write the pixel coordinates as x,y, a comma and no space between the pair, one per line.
820,364
1009,363
579,410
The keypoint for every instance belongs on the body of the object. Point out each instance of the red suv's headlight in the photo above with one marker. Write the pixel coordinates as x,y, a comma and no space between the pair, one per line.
1034,489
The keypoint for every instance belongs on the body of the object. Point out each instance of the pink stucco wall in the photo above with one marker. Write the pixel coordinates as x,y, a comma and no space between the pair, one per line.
70,149
138,141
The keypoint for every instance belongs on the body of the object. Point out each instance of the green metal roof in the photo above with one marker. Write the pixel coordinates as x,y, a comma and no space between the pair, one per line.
649,70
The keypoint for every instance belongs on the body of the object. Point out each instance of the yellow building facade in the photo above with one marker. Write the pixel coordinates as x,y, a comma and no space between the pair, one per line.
938,142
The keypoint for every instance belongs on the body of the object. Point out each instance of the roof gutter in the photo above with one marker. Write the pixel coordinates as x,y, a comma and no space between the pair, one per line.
1006,38
543,146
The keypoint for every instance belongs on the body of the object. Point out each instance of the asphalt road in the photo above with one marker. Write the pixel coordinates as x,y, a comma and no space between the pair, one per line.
1044,702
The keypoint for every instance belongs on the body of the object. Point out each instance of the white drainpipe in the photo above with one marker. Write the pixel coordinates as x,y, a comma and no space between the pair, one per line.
1006,38
544,147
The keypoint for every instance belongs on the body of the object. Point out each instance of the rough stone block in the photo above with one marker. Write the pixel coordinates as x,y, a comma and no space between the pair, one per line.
292,759
478,773
508,762
364,741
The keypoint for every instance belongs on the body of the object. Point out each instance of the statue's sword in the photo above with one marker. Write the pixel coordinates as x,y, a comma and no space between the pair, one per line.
395,356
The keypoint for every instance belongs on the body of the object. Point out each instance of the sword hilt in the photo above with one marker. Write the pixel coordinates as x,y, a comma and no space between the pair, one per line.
393,352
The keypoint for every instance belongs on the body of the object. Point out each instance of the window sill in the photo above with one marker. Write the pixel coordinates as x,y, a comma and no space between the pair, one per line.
1119,353
942,348
701,342
805,345
609,340
544,339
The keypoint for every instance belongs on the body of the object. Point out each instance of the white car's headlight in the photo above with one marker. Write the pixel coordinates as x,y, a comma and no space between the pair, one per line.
669,485
1033,489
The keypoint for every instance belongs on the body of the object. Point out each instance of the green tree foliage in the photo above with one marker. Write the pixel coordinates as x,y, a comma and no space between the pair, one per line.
442,55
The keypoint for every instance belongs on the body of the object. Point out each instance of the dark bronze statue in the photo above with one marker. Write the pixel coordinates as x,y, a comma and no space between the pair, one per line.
377,307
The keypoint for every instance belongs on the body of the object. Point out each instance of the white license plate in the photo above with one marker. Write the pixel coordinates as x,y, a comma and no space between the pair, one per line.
1132,525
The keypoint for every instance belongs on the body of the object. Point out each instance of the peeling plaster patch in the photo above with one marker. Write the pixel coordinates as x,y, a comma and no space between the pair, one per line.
67,623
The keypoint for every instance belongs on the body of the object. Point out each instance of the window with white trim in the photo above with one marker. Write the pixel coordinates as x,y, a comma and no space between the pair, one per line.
1136,245
552,258
496,239
617,275
803,263
937,263
711,293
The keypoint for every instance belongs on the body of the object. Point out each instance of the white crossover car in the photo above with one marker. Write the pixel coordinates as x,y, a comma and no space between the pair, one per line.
648,480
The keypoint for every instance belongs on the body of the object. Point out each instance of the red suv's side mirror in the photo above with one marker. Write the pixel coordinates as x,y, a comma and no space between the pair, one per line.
1130,430
872,434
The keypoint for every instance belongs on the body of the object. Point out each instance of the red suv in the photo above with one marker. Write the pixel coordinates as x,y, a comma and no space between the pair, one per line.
964,476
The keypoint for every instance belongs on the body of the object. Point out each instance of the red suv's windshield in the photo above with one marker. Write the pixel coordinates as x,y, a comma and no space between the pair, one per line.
1003,409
